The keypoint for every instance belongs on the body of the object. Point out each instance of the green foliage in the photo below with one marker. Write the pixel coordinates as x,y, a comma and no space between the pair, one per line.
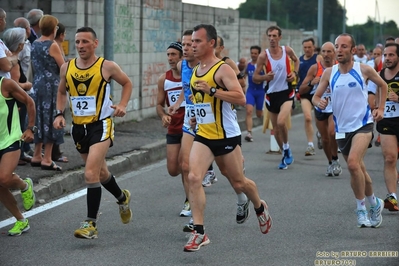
300,14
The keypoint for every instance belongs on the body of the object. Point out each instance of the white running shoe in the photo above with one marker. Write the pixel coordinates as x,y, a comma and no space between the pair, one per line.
362,219
336,168
310,151
375,213
209,179
329,171
186,211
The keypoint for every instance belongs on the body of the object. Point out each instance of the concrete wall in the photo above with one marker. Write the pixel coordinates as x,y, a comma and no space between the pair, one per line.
142,31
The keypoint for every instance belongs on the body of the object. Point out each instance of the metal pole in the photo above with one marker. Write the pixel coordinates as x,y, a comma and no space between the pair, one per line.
109,32
344,19
320,22
268,10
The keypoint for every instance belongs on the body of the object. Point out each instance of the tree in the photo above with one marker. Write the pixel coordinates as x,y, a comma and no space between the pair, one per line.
300,14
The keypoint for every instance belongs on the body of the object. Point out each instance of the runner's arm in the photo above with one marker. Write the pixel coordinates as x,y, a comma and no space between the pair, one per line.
317,99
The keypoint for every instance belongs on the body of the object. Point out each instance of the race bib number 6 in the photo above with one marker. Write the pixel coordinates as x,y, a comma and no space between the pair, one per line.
173,96
204,114
83,105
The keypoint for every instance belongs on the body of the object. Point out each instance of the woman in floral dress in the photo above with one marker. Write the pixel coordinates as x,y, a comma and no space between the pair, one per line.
46,60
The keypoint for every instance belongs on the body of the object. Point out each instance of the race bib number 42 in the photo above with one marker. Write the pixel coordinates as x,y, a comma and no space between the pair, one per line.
204,114
83,105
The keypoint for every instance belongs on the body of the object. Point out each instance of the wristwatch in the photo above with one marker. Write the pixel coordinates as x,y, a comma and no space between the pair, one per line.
58,113
33,129
212,91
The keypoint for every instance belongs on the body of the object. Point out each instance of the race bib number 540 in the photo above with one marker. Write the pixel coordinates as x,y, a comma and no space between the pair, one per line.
204,114
83,105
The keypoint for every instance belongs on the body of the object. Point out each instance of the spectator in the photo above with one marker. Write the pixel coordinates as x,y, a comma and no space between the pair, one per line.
15,39
24,55
7,60
46,60
56,153
34,17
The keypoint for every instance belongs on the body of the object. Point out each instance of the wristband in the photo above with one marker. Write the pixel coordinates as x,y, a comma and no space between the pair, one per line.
58,113
240,75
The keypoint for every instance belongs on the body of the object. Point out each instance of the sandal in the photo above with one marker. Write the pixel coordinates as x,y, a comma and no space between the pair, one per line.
62,159
35,164
52,167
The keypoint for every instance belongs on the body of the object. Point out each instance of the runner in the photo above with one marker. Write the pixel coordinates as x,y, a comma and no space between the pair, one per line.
324,119
279,93
87,79
354,121
213,85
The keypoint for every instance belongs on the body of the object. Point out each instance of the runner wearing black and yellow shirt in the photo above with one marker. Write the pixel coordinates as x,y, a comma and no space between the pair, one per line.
87,79
215,88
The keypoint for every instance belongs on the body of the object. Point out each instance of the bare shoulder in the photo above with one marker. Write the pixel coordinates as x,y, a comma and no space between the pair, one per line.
230,62
262,55
327,72
110,65
64,67
162,77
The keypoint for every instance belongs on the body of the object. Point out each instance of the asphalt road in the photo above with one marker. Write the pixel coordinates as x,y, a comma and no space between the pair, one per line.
314,219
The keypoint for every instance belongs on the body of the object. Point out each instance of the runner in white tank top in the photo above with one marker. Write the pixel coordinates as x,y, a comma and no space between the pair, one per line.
279,95
353,119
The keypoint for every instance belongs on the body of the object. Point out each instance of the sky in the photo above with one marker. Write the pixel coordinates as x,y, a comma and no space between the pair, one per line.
357,10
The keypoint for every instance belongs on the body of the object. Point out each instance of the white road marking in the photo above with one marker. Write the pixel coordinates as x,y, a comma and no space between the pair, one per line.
77,194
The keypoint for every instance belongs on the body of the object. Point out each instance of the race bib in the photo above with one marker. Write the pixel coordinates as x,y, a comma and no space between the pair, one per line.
190,111
391,109
173,96
83,105
204,114
339,135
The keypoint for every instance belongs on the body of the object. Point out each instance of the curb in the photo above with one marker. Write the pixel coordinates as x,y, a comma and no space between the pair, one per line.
60,185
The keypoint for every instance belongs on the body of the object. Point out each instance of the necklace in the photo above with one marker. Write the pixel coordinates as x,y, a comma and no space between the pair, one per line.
204,65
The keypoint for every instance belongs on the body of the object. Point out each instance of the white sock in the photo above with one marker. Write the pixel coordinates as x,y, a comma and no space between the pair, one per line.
310,144
26,188
286,146
372,200
22,220
241,198
393,195
361,204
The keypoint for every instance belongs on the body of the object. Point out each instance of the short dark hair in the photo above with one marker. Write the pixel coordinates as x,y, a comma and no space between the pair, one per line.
87,29
221,40
390,38
271,28
211,33
187,32
393,44
257,47
61,30
308,40
353,42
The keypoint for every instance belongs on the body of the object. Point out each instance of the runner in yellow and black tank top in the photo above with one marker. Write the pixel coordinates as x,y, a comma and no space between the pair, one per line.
90,98
216,119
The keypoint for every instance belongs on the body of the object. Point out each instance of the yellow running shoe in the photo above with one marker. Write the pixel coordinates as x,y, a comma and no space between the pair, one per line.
19,228
87,230
28,196
124,210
